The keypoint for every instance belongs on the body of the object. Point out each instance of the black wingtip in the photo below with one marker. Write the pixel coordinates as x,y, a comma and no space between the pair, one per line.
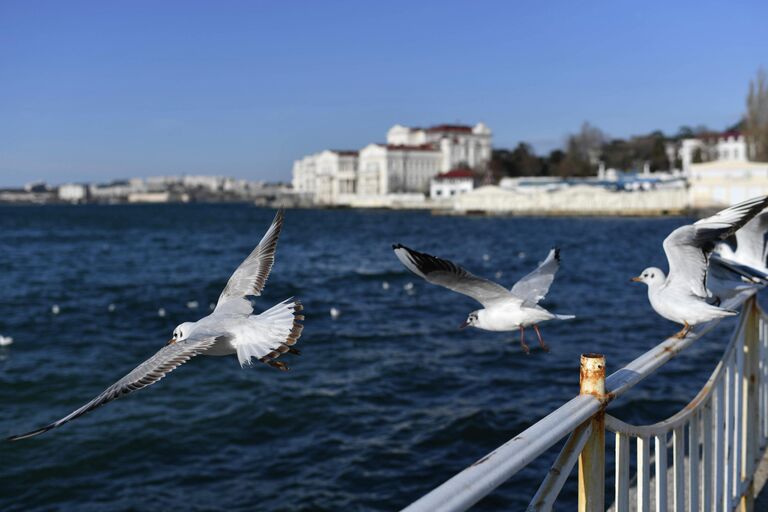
398,246
557,253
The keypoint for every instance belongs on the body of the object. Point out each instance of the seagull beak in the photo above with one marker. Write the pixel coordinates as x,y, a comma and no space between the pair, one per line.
172,340
636,280
464,324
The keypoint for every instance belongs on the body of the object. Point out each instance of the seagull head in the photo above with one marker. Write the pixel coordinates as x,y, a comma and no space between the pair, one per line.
471,320
181,332
651,276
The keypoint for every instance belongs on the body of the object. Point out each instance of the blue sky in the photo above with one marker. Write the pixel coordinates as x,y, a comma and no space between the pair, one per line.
103,90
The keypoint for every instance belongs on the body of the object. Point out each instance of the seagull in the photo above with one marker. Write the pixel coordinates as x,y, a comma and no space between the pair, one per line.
682,296
232,328
746,252
503,310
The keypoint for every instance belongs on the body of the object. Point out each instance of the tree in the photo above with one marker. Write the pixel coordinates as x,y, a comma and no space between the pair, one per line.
756,123
583,151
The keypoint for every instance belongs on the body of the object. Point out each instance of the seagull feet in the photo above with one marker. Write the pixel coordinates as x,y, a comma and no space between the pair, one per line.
543,345
683,332
523,345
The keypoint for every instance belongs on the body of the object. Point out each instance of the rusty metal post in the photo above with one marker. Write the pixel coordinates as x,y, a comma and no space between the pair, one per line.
749,410
592,458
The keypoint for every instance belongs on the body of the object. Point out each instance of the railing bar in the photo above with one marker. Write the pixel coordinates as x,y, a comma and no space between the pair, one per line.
550,488
643,475
693,465
738,387
661,472
719,419
706,457
473,483
678,457
728,438
622,473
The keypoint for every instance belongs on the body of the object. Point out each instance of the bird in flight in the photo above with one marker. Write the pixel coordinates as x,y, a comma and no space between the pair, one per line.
682,296
232,328
503,310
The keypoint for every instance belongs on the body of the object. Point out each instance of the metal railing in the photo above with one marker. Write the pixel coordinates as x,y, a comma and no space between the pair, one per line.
716,440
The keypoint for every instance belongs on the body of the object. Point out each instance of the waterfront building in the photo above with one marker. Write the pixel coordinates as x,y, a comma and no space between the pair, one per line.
729,145
397,168
327,175
451,183
459,145
725,182
405,164
72,192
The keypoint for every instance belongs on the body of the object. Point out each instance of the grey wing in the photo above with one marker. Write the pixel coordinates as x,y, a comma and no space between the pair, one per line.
750,240
251,276
534,287
449,275
147,373
688,247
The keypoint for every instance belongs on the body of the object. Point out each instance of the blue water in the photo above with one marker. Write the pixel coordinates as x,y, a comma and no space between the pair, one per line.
385,402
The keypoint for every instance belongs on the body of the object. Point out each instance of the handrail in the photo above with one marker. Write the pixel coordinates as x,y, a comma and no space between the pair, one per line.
472,484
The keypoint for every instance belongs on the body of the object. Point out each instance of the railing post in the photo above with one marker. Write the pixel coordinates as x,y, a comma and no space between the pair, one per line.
749,409
592,458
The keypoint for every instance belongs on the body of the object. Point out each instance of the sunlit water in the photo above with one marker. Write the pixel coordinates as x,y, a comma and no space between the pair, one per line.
386,401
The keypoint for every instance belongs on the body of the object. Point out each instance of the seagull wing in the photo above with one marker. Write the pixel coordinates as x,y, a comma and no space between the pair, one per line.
534,287
750,241
688,247
147,373
251,276
449,275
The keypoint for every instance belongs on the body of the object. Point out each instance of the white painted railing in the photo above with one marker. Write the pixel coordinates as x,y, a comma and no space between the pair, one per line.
716,440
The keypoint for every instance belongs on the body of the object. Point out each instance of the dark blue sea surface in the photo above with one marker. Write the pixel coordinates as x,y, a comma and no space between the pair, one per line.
386,402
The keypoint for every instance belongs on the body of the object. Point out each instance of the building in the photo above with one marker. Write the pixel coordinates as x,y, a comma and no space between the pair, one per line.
460,145
73,193
405,164
451,183
327,175
397,168
726,182
715,146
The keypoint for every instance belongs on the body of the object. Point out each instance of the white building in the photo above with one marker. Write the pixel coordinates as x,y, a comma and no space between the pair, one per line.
405,164
451,183
460,145
726,182
328,175
396,169
72,192
719,146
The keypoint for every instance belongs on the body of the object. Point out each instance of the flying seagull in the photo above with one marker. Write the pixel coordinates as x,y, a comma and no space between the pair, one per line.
682,297
232,328
746,252
503,310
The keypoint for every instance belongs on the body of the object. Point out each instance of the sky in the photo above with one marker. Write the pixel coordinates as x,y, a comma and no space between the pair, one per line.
95,91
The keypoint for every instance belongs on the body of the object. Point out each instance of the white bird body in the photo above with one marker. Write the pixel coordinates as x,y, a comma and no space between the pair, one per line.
681,307
503,310
682,295
231,328
509,317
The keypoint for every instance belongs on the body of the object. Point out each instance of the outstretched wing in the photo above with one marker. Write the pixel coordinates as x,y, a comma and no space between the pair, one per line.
688,247
147,373
251,276
534,287
449,275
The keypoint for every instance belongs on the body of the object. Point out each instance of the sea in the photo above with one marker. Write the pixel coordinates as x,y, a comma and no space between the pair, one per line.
388,399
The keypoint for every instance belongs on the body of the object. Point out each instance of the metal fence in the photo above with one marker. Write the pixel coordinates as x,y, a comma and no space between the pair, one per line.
704,456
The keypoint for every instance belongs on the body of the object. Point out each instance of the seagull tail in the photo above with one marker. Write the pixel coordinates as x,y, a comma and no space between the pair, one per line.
565,317
272,334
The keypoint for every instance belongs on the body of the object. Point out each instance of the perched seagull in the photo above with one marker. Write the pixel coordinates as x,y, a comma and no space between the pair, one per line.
232,328
504,310
682,296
